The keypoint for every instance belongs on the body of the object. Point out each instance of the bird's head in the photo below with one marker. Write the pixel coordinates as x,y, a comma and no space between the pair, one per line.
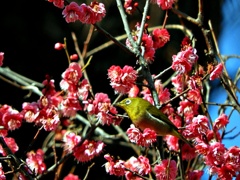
130,104
126,104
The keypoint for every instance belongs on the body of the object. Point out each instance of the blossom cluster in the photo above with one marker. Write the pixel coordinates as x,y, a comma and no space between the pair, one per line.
103,110
87,14
138,165
48,111
35,161
84,152
166,170
145,138
221,161
150,42
131,5
122,80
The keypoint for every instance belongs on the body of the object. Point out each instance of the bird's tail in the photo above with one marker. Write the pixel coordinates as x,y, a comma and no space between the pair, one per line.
180,136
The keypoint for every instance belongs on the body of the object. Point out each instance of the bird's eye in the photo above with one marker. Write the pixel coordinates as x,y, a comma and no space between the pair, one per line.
128,101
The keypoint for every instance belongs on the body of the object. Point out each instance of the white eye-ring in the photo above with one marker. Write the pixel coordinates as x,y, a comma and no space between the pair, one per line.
128,101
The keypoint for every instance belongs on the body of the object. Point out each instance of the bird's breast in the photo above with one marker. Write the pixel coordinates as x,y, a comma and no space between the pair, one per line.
159,127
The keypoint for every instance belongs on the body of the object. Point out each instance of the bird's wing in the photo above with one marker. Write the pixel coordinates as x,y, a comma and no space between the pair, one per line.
160,116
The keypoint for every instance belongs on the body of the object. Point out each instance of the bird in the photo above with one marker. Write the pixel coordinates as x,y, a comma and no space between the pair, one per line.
144,115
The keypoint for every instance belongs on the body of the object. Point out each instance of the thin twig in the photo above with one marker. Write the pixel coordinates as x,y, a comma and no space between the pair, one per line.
6,71
66,50
126,27
20,81
178,95
142,25
32,142
86,42
122,46
136,174
82,64
162,72
88,170
124,36
165,19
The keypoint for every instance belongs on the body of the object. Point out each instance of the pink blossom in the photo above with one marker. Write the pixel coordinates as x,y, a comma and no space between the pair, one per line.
187,109
102,108
30,111
71,77
35,161
194,82
215,155
163,93
70,140
184,60
114,167
12,145
175,118
49,118
147,94
165,4
76,90
88,150
57,3
93,13
145,138
225,172
1,58
194,95
186,42
172,142
202,147
134,134
45,112
213,136
122,80
10,118
232,157
169,111
195,175
49,87
197,128
179,82
188,153
130,6
70,105
71,12
149,50
133,92
71,176
166,170
216,72
160,37
139,165
83,90
220,122
146,45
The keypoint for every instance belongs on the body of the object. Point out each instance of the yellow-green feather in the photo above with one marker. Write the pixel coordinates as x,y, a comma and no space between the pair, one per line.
144,115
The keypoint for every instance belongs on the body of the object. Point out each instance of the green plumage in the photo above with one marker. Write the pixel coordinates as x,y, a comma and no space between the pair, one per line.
144,115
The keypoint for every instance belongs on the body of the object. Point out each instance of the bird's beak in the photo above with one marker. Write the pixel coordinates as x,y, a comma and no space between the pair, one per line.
118,104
